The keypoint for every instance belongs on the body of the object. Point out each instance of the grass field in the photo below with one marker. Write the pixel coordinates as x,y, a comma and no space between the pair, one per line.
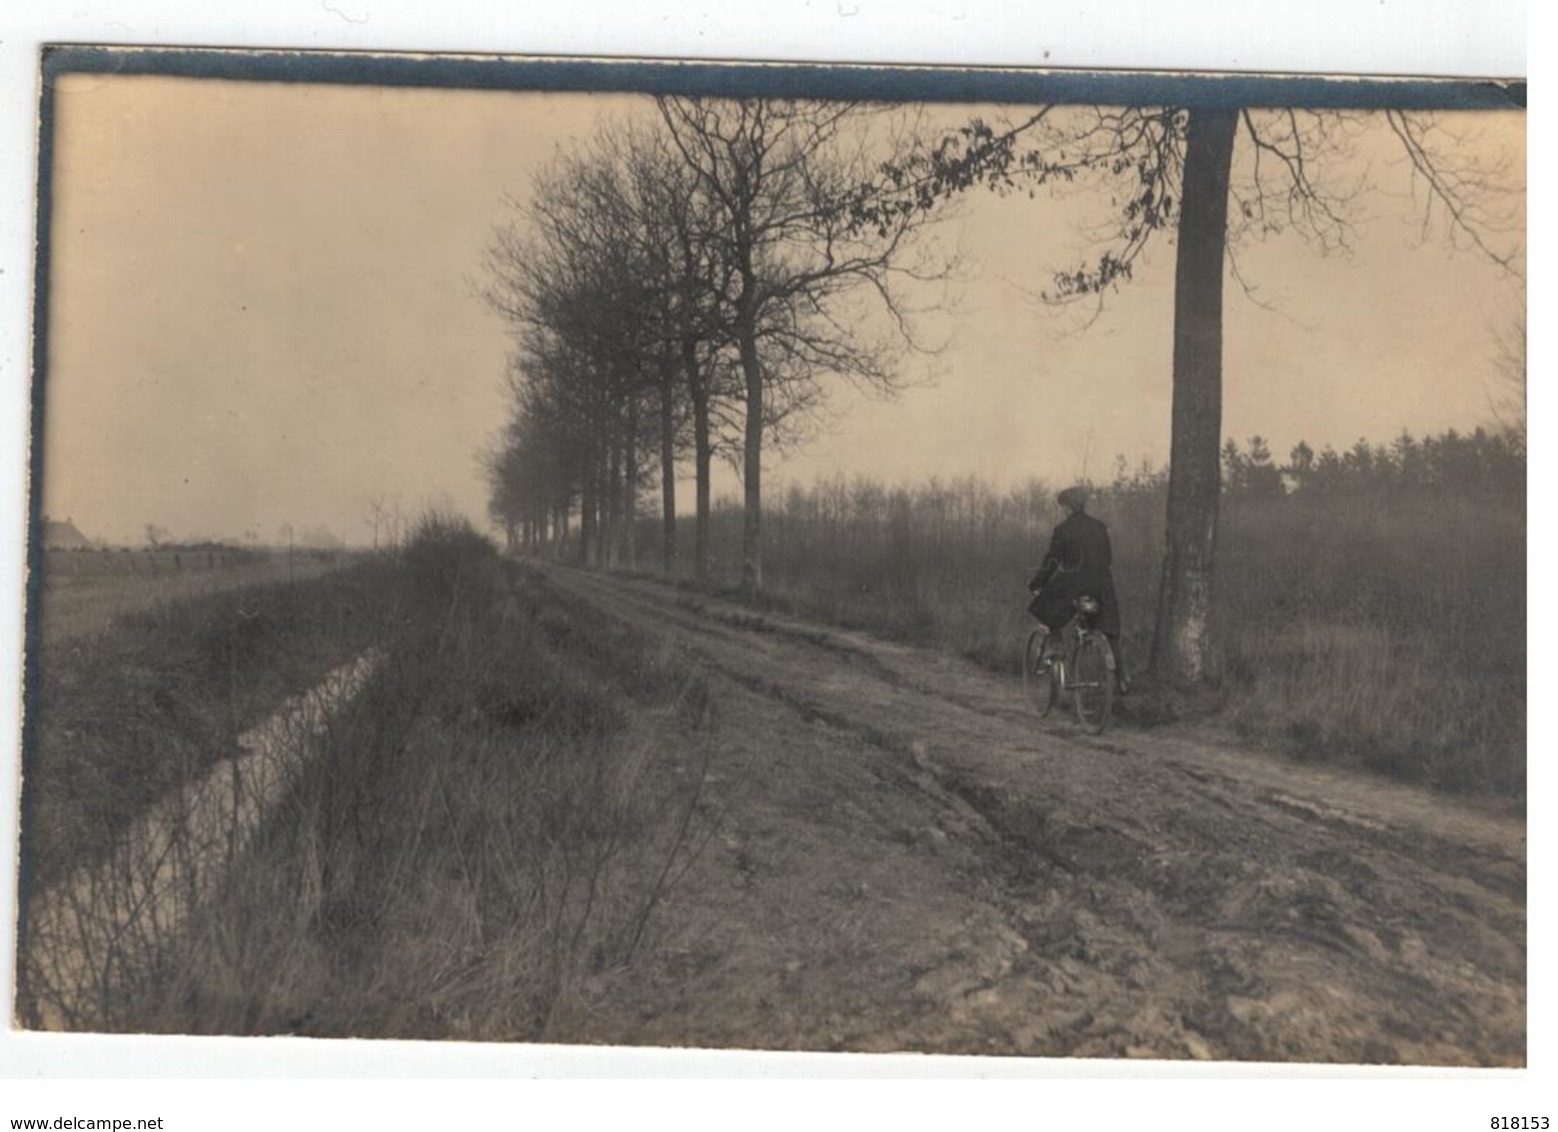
1372,630
495,816
120,716
82,592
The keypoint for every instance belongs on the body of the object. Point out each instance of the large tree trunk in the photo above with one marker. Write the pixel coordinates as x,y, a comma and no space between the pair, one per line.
703,456
611,535
588,513
630,488
703,470
667,467
752,464
1182,646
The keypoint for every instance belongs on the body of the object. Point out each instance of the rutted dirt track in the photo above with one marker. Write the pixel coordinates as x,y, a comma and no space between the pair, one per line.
907,859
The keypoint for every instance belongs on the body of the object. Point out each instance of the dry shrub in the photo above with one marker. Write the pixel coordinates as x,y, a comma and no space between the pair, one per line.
118,719
483,831
1383,629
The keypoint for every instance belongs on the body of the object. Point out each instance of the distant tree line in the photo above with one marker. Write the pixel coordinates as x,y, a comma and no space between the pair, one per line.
1477,463
1481,463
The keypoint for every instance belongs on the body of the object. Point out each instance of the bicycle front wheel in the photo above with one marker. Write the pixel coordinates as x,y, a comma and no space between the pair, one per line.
1094,682
1039,678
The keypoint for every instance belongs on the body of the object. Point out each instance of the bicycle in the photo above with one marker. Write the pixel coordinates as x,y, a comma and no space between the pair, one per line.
1080,663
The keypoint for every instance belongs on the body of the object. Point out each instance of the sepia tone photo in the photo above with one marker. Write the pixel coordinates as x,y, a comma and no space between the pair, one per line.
1002,563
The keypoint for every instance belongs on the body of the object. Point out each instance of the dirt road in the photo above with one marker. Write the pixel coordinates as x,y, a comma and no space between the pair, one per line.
907,859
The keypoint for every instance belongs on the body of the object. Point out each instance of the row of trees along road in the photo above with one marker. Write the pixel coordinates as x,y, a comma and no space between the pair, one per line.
705,272
714,267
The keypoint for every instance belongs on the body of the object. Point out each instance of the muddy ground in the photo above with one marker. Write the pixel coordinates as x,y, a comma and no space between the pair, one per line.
907,859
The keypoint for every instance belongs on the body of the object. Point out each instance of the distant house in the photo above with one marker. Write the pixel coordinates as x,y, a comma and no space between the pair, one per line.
59,535
319,538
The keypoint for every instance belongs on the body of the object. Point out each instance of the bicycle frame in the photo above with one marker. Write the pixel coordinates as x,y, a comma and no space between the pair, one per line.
1057,665
1068,636
1072,634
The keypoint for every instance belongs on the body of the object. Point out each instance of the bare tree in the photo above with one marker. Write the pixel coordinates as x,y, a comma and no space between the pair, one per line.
781,183
570,277
679,229
375,517
1507,397
512,490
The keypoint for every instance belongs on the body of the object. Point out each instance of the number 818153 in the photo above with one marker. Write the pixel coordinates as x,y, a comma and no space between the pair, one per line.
1519,1124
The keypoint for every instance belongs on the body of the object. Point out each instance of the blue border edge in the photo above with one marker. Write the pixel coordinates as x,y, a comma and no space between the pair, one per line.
790,80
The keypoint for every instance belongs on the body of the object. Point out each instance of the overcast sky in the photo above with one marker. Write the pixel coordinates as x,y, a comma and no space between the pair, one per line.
263,311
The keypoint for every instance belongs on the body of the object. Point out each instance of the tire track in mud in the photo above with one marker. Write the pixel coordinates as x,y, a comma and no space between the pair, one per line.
1166,898
1497,842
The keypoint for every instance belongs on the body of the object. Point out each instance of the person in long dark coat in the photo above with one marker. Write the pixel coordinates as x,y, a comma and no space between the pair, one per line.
1078,562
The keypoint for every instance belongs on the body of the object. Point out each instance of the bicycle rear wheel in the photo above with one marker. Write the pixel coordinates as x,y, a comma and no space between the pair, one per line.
1039,678
1093,689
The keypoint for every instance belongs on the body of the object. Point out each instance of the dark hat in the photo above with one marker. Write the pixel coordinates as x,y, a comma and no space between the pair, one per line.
1074,498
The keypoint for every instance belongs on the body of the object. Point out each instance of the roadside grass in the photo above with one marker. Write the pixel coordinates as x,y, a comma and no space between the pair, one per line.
484,832
1378,631
1391,637
121,717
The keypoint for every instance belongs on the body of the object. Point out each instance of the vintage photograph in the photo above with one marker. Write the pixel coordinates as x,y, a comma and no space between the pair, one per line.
835,559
